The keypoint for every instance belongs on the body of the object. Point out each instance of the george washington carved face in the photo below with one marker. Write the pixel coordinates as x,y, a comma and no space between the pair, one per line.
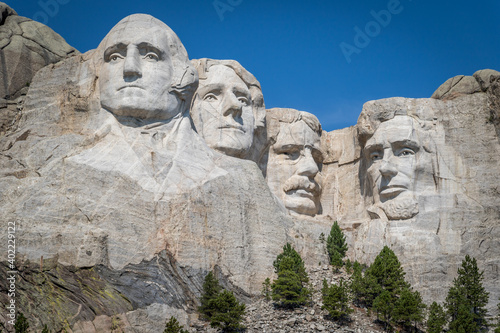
142,60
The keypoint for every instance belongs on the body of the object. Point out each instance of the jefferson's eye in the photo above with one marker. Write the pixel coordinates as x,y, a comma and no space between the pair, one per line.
406,152
152,56
243,100
210,97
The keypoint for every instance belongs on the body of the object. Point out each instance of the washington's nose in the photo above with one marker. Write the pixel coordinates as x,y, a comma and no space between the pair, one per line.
387,169
132,65
231,106
307,165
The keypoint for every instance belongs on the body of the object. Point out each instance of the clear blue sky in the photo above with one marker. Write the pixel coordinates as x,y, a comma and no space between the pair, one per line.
293,47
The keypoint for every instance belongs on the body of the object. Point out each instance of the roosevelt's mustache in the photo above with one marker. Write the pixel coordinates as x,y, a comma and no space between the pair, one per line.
302,183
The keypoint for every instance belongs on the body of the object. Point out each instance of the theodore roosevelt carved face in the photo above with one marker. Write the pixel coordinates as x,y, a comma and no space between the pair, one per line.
295,160
142,60
393,157
228,106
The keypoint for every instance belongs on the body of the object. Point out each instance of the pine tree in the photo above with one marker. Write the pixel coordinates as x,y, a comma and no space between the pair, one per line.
387,271
21,325
288,289
336,245
384,305
228,312
266,289
173,326
497,327
437,318
211,290
467,298
45,329
297,263
409,308
336,300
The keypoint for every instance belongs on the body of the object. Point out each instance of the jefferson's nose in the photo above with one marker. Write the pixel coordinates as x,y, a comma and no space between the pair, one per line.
307,166
231,105
132,65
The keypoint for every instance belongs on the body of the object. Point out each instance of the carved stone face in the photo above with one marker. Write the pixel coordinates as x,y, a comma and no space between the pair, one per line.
393,154
222,112
136,75
294,161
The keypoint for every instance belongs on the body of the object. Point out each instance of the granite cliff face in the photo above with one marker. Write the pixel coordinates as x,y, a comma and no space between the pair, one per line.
26,46
122,207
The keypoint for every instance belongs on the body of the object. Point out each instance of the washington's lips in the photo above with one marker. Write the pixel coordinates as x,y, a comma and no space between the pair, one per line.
130,86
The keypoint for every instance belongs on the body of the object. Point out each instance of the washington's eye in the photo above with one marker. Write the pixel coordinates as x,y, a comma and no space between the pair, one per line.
152,56
406,152
210,97
115,57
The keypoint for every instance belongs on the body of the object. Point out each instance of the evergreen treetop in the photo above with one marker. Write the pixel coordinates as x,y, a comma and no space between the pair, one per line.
437,318
173,326
228,312
211,289
467,299
296,264
336,300
336,245
387,271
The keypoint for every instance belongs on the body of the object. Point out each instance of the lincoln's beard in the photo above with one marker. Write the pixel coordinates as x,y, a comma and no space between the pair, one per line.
400,208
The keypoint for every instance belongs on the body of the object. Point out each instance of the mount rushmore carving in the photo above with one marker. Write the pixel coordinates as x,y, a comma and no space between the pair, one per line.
153,169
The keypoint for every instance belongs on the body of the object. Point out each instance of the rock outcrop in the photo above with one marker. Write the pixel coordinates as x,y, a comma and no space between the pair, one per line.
25,47
121,208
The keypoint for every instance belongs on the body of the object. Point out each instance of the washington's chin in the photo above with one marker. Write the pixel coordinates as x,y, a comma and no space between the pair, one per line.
140,108
301,202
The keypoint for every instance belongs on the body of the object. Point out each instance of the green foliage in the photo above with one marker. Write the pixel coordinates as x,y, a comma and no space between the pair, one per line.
288,289
336,245
467,298
173,326
228,312
336,300
266,289
296,264
497,327
348,266
437,318
322,237
21,325
387,271
384,304
45,329
211,289
220,307
409,308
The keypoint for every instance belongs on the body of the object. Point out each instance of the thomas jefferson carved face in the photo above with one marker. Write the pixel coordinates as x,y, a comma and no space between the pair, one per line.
393,154
222,111
136,76
294,162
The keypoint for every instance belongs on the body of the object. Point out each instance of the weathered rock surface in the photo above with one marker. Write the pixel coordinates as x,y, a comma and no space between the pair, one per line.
118,222
25,47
